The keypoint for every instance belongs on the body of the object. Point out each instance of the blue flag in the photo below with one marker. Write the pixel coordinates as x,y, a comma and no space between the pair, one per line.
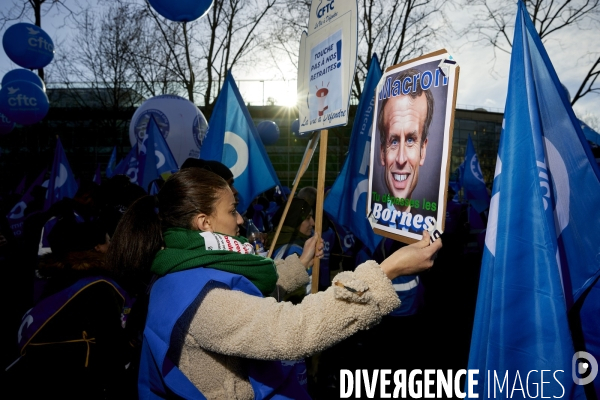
152,168
129,165
541,247
112,163
456,179
98,176
154,189
20,189
16,216
62,181
589,133
233,140
346,203
472,180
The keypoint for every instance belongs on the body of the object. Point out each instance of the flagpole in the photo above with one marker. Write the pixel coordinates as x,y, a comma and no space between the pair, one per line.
319,206
308,153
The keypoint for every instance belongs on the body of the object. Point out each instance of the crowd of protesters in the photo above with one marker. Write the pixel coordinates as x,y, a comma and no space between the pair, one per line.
78,279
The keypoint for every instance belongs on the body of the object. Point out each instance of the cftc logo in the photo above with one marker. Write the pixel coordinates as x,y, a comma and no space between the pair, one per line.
584,368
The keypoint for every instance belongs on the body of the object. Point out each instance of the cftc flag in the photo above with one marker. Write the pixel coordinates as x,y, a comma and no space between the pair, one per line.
346,203
542,235
112,163
472,180
62,181
129,165
20,189
152,168
16,216
589,133
233,140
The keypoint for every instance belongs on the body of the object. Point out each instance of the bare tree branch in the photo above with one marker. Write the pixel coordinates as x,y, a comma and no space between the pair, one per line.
493,23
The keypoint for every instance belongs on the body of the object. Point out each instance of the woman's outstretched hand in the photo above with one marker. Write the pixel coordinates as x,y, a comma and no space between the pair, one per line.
412,259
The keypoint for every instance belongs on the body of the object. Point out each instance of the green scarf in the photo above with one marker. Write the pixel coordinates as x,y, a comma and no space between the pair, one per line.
185,249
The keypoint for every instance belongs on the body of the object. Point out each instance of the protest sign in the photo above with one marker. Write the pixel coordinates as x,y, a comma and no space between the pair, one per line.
326,67
410,147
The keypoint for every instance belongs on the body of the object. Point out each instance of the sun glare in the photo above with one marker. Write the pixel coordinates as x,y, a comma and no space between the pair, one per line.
288,99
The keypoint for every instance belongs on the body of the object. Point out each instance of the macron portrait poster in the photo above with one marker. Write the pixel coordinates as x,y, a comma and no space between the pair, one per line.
410,147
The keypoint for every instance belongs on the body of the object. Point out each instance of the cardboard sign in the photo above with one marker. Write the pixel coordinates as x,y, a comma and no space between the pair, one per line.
410,147
326,66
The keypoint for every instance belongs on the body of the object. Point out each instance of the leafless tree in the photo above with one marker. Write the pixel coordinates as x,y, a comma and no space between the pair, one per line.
396,30
291,19
96,70
199,54
172,51
588,85
19,10
493,23
235,34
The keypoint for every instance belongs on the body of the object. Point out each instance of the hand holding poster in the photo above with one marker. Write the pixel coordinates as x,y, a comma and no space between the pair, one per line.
410,150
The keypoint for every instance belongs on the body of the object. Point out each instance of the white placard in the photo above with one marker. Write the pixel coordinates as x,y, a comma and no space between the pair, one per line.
326,66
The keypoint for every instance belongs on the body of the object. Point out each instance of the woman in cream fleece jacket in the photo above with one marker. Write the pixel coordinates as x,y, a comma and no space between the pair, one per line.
210,330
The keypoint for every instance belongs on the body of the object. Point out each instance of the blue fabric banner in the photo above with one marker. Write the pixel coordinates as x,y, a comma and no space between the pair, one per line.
16,216
129,165
472,180
540,250
151,168
112,163
346,203
62,181
233,140
589,133
20,189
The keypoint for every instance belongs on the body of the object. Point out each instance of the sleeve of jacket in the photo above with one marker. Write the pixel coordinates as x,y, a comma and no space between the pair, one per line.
292,274
235,323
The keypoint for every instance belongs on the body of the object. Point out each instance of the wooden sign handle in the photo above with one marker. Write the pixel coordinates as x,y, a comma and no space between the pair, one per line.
319,206
308,153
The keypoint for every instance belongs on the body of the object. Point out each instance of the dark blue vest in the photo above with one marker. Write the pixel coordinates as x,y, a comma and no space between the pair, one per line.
37,317
160,378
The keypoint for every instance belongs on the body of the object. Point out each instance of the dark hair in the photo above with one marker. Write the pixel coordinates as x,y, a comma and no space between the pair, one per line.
138,236
69,235
210,165
308,194
408,73
299,210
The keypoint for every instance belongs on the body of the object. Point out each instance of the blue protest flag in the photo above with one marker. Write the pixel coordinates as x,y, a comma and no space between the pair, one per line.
62,181
233,140
163,161
129,165
112,163
472,180
21,186
455,181
98,176
540,250
589,133
346,202
154,189
16,216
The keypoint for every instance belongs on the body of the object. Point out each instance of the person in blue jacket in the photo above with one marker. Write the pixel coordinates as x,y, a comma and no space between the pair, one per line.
213,329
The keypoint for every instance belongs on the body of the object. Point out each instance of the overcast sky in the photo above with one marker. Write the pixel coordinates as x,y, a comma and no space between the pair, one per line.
483,82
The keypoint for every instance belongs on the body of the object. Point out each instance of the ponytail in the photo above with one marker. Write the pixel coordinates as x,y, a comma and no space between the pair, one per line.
134,244
138,236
